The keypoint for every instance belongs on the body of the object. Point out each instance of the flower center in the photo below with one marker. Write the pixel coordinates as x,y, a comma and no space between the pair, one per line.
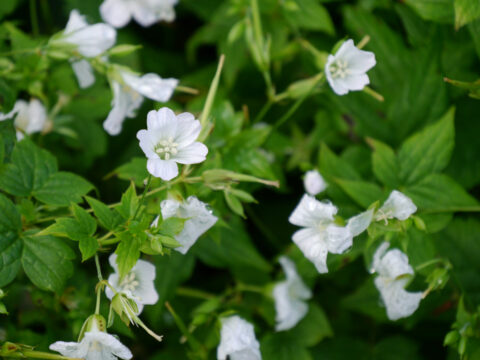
129,283
339,69
166,148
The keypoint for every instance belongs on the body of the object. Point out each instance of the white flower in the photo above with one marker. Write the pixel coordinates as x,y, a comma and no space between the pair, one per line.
320,235
397,206
346,70
170,139
128,95
90,40
393,275
84,73
137,285
30,117
118,13
95,345
200,219
237,340
314,182
290,296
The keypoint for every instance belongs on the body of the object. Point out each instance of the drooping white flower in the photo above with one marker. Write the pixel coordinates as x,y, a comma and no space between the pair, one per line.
30,117
320,235
170,139
393,275
118,13
237,340
314,182
397,206
290,297
199,220
84,73
128,94
346,70
137,285
95,344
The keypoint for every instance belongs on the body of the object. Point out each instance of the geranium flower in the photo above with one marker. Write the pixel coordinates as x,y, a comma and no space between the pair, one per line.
199,220
129,89
397,206
290,297
95,344
170,139
314,183
346,70
90,41
320,235
237,340
30,117
118,13
393,275
137,285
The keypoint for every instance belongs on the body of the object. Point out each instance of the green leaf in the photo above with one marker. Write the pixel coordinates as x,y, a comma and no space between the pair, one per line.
29,170
107,218
2,150
171,226
234,204
437,10
362,192
129,203
88,247
312,328
427,151
308,14
128,252
440,193
86,221
10,218
63,188
66,227
332,166
135,170
47,262
385,164
466,11
10,245
279,346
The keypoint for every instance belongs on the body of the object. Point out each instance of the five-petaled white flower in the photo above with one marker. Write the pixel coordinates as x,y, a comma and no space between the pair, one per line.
320,235
290,297
30,117
314,182
199,220
397,206
128,93
393,275
118,13
346,70
170,139
95,345
137,285
237,340
90,41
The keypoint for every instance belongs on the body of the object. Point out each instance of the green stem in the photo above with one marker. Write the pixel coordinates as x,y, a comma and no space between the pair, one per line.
99,289
38,355
194,343
263,111
194,293
257,24
145,190
250,288
453,209
429,263
211,93
187,90
34,18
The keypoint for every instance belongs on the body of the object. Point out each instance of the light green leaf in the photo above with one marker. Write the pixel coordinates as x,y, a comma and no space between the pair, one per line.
466,11
308,14
234,204
332,166
171,226
63,188
47,262
135,170
129,203
86,222
107,218
436,10
427,151
88,247
385,164
362,192
29,170
128,252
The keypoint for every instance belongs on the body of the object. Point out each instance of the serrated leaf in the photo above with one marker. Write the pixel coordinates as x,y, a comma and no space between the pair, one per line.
135,170
88,247
128,252
29,170
385,164
85,220
63,188
107,218
466,11
47,262
10,244
332,166
171,226
129,203
427,151
362,192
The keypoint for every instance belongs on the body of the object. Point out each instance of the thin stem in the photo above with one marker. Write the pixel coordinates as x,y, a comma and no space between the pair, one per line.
263,112
194,343
194,293
373,94
250,288
257,24
429,263
363,42
99,289
187,90
38,355
34,18
212,92
145,190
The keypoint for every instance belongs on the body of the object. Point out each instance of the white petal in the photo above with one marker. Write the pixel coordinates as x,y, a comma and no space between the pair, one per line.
289,311
170,208
338,238
162,121
354,82
359,223
393,264
398,302
151,85
298,289
109,344
314,182
75,21
237,338
192,154
145,274
313,246
115,12
92,40
69,349
37,117
147,144
84,73
144,14
20,105
345,49
397,206
188,129
338,87
310,212
164,169
113,280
